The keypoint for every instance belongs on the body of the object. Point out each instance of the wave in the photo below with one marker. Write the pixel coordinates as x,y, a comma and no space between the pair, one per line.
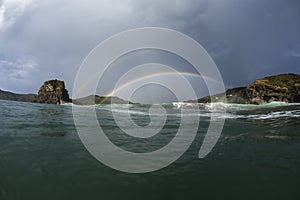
231,106
134,112
272,115
272,110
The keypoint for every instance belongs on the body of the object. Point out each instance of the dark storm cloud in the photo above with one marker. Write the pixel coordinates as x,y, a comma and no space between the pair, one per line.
247,39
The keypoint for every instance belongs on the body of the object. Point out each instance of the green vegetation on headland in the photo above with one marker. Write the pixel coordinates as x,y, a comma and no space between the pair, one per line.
283,87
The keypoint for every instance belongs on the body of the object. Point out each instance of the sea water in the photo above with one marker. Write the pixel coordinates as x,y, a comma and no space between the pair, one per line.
257,155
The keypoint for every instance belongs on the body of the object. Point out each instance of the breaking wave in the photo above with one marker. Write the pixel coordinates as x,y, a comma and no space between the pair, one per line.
220,110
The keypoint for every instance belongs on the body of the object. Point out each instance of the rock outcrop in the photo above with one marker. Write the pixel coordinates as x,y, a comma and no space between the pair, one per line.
53,92
283,88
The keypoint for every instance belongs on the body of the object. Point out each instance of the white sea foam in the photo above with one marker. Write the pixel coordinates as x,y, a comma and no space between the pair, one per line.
274,115
68,104
214,110
179,105
129,111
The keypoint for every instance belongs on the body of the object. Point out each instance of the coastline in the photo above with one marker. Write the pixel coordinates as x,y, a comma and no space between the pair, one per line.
279,88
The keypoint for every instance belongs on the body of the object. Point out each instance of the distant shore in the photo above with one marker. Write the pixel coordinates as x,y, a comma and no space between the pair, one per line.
279,88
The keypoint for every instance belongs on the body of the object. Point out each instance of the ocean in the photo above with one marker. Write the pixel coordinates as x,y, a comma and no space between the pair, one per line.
256,157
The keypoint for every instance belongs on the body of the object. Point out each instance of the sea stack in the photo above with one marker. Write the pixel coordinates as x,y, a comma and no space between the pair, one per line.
53,92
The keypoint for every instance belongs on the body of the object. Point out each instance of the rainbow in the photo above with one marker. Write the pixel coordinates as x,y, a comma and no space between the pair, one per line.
189,74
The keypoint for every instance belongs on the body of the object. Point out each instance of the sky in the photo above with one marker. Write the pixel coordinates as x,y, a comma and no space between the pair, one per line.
47,39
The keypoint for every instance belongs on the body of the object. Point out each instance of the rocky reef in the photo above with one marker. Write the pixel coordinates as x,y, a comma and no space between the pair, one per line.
283,88
53,92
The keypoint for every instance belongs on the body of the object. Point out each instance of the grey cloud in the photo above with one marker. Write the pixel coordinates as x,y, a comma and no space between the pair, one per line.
296,55
18,74
247,39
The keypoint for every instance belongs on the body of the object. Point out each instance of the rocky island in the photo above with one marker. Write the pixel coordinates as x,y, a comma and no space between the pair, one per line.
283,88
51,92
54,92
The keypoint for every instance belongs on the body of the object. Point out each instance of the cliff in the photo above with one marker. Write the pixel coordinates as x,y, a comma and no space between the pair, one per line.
283,87
53,92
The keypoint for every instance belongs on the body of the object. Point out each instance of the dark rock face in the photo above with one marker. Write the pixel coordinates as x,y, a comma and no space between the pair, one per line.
297,98
53,92
284,88
236,95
